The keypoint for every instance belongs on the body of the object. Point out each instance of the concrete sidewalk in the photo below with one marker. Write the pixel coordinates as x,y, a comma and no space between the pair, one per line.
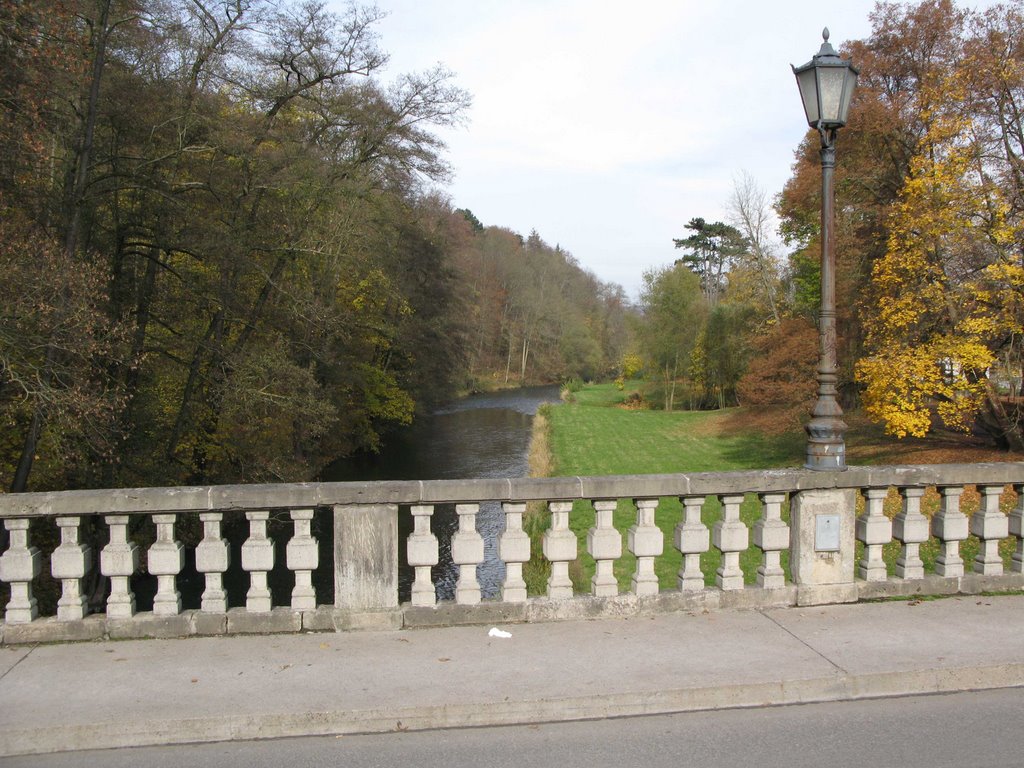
112,694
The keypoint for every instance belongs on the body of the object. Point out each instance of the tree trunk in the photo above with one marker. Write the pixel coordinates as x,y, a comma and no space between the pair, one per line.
522,366
508,360
35,429
142,313
1005,427
81,177
191,385
28,451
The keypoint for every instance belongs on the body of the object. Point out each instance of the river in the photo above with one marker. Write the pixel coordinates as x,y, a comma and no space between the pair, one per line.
480,436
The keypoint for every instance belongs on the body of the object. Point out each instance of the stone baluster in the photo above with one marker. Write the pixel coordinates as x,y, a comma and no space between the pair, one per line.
212,560
912,529
692,539
559,544
258,559
646,542
118,561
165,560
18,566
874,530
604,544
422,553
950,526
771,534
514,550
730,535
69,563
1016,527
990,525
302,556
467,553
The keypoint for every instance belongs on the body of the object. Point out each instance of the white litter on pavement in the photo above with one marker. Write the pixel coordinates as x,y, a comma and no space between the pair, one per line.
495,632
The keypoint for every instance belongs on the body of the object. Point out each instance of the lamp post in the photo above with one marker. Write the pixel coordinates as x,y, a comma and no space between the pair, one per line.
826,87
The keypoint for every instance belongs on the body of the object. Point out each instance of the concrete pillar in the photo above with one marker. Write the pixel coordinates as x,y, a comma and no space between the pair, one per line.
731,537
990,525
559,544
822,545
366,557
950,526
118,561
302,556
771,534
912,528
874,530
467,553
646,542
258,559
604,544
165,560
1016,528
18,566
514,550
69,563
422,553
692,539
212,559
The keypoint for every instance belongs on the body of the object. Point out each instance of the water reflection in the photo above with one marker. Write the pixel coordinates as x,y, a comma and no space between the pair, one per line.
482,436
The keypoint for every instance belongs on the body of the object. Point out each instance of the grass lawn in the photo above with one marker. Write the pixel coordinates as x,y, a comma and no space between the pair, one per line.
594,435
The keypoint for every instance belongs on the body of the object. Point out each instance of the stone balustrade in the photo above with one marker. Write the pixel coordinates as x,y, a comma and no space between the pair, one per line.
740,539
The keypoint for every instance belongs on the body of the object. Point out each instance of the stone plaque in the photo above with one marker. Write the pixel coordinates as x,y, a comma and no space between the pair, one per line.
826,533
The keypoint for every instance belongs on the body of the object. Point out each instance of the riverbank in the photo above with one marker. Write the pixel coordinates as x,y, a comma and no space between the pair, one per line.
601,433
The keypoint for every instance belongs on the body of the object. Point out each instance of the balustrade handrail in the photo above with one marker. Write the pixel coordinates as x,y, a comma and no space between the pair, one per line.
295,495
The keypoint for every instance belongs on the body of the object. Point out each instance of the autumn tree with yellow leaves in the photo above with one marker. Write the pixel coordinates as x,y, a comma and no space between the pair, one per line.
945,313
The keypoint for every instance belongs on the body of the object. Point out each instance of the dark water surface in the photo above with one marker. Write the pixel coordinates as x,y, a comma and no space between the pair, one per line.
481,436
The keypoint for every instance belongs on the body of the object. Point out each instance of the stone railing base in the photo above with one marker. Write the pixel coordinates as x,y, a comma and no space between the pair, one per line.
940,586
239,621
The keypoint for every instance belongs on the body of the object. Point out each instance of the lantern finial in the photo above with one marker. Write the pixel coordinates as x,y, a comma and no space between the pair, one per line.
826,47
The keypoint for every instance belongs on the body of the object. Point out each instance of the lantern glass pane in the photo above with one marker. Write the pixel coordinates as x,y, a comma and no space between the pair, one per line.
809,93
848,88
832,80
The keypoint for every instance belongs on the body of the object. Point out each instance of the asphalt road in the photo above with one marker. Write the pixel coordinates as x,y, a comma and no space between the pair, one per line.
982,730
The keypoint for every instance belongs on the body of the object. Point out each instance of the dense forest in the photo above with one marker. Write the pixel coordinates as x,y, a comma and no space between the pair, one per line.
929,245
225,254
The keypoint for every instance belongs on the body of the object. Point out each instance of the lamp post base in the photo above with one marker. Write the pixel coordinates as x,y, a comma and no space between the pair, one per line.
826,449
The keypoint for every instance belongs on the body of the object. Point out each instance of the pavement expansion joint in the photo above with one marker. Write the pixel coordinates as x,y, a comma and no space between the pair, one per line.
15,664
803,642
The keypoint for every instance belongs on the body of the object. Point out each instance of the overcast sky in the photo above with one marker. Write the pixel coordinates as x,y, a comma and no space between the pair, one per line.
606,125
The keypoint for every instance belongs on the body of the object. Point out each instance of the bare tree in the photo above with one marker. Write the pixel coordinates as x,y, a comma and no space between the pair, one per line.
751,213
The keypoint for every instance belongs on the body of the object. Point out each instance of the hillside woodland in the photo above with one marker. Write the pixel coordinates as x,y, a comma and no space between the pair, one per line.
225,254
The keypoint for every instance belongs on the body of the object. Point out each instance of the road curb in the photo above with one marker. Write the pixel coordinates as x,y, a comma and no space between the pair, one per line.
840,687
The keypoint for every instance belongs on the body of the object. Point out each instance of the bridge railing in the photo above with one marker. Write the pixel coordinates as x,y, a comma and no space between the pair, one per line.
739,539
